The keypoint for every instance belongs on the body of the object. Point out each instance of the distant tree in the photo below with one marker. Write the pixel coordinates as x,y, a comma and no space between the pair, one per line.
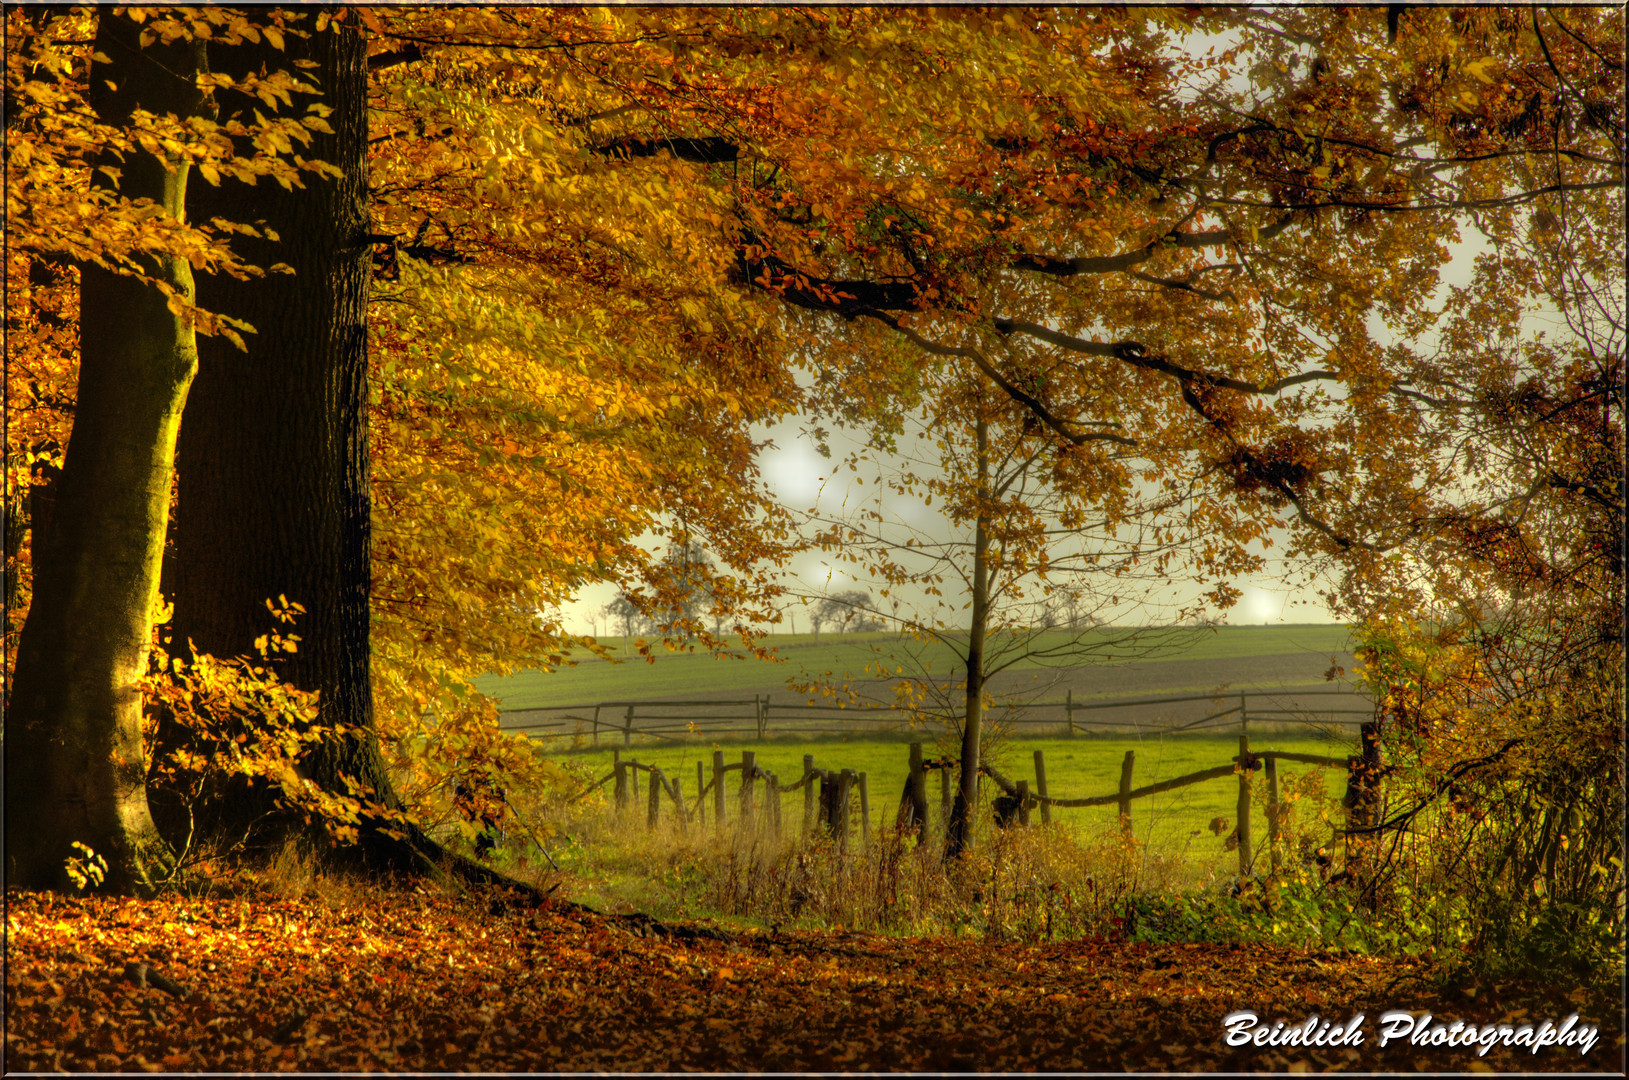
625,613
684,589
1049,616
847,610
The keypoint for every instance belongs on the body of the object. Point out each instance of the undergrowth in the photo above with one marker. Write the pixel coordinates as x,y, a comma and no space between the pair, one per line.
1034,884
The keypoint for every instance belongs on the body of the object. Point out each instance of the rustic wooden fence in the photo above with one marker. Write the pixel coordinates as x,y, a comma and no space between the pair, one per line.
829,795
759,717
1363,772
829,804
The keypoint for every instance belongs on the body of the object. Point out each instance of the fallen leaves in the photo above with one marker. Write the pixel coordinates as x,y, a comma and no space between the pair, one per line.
403,981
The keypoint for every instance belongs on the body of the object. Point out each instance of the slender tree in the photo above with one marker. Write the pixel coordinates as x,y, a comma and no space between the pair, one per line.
74,766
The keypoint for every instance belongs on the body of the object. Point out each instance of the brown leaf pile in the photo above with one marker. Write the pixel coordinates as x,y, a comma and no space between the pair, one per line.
406,981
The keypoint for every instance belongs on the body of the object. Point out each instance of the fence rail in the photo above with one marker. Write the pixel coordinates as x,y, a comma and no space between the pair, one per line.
759,717
828,802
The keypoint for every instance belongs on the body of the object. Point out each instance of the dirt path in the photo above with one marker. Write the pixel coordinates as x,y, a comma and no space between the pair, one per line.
412,982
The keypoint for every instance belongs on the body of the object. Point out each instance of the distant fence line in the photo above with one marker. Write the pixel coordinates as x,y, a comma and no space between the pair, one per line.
829,804
756,716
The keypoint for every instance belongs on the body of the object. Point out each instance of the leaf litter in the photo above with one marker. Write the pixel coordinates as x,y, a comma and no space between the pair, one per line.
397,980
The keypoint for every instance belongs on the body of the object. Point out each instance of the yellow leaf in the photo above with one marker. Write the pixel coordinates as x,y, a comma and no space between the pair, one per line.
1479,69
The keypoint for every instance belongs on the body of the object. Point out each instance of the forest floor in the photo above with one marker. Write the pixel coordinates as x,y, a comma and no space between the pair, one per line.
410,981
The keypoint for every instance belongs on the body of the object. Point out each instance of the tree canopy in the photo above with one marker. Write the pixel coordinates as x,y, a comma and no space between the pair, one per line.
1200,254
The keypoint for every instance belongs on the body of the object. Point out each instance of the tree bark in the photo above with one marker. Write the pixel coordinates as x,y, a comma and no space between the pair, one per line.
74,766
273,498
273,495
959,830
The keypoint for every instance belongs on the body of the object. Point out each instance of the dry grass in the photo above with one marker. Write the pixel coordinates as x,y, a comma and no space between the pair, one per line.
1015,884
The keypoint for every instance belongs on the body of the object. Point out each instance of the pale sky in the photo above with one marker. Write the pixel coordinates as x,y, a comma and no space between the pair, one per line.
801,479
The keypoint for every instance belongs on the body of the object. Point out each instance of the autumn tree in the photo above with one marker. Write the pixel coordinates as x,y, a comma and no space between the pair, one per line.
1496,644
273,491
564,330
1421,475
1020,522
1229,248
132,132
701,423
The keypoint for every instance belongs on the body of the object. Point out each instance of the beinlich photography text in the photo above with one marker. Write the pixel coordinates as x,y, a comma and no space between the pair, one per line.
1398,1028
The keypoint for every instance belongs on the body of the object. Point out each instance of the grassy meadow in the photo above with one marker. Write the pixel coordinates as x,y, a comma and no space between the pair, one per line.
1184,660
1171,828
612,860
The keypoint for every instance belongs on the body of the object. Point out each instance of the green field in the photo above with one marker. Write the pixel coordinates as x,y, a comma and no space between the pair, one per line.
1173,824
1178,661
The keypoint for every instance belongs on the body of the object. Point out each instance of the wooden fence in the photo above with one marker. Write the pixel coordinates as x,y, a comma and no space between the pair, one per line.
828,794
759,718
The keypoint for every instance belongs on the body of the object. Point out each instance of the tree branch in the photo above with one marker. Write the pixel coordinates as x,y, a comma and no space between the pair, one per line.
1134,354
709,150
1033,404
1058,266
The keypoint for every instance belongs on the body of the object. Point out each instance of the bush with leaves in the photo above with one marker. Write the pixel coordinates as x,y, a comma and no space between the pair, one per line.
1502,832
235,721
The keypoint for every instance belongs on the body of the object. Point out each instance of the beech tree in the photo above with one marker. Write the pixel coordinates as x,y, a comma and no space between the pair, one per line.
607,241
75,762
75,715
273,488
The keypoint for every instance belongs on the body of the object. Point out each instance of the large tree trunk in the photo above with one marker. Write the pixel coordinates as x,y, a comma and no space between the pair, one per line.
74,768
959,830
273,496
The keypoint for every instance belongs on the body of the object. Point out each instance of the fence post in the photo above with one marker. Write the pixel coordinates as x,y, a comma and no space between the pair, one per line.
701,789
621,784
763,714
1023,802
865,814
774,806
1040,787
916,792
845,784
1244,803
1244,714
627,727
718,788
678,806
1273,810
655,799
749,763
1362,794
944,797
808,794
1125,791
596,725
1069,711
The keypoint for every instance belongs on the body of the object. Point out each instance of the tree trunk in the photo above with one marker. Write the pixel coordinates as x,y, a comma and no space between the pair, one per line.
273,497
11,541
959,831
74,768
